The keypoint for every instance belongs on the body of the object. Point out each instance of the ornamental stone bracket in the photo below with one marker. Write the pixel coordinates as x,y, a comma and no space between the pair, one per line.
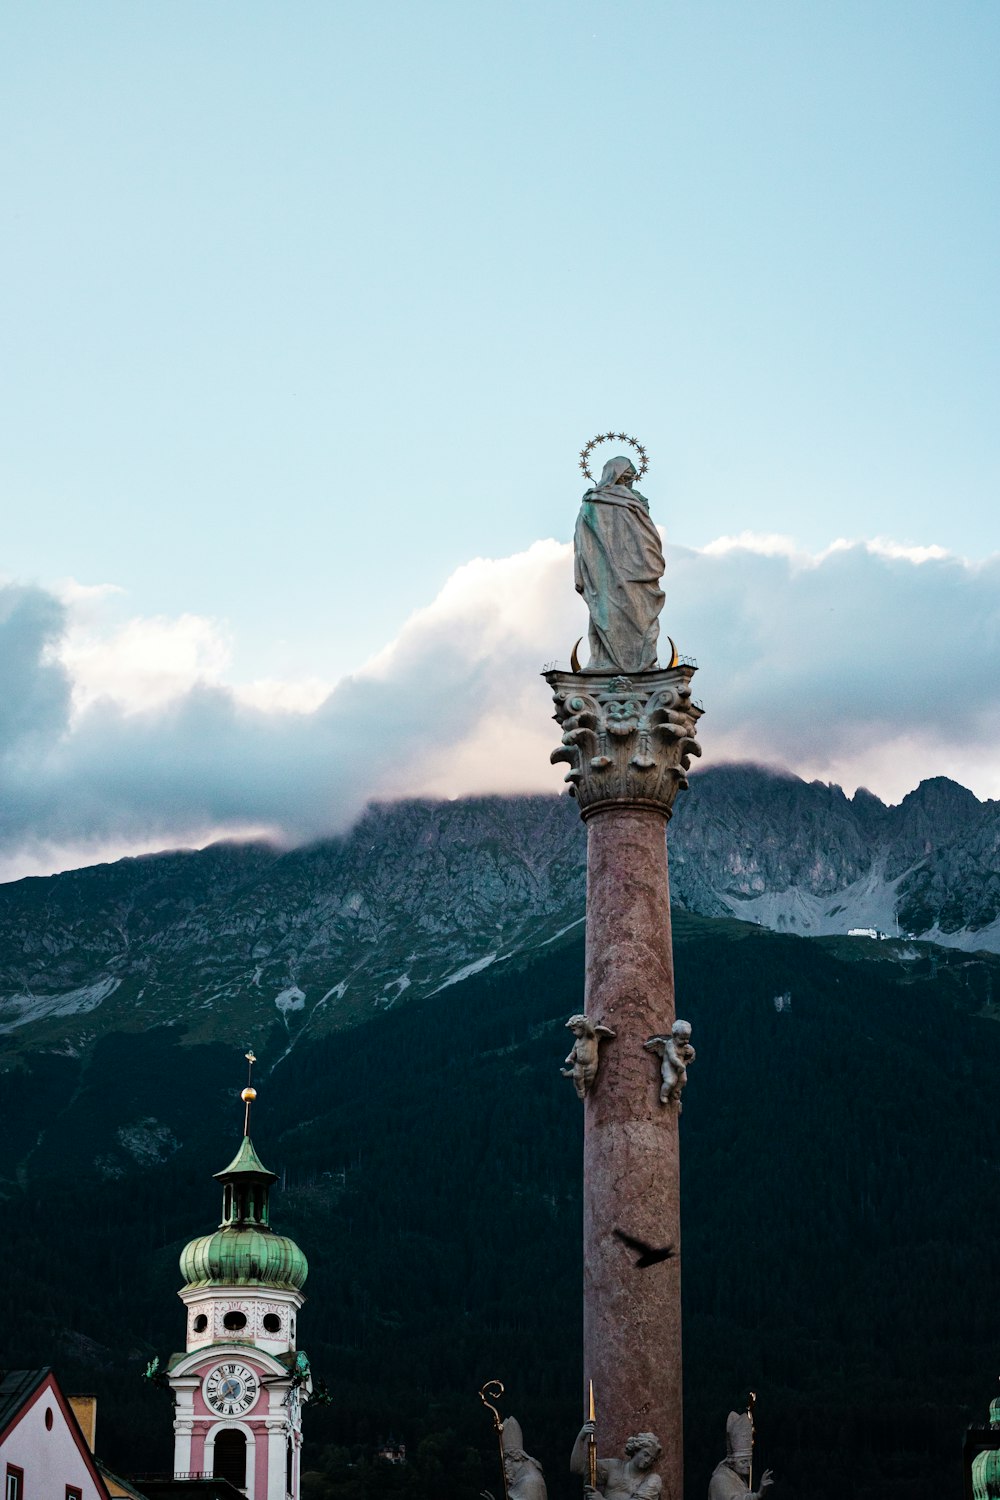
627,740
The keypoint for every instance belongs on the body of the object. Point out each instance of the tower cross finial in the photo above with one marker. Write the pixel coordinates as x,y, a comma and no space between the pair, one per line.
249,1094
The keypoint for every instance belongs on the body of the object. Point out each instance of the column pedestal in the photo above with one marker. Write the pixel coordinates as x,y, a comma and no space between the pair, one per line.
628,743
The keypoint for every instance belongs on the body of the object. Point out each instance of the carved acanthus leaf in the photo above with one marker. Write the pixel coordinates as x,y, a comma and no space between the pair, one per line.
626,739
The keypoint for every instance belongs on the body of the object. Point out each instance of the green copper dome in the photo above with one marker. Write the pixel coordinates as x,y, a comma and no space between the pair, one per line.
244,1256
244,1250
986,1475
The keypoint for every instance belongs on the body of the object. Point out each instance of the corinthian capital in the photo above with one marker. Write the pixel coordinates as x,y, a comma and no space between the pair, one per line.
628,741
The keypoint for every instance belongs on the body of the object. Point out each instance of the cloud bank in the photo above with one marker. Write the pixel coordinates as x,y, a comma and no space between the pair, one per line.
868,663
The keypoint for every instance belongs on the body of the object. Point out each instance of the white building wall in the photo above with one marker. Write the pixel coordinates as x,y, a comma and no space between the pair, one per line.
50,1456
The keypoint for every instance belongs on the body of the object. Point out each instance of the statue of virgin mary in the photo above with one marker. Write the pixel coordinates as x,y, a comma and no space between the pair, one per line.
618,566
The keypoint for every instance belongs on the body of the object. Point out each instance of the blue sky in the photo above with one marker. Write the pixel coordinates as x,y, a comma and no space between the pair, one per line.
306,304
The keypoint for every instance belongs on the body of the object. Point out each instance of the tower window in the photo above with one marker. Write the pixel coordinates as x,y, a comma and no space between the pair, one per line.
48,1419
234,1321
272,1323
14,1487
200,1323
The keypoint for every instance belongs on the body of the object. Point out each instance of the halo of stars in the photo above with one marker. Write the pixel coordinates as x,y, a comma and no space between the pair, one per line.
612,437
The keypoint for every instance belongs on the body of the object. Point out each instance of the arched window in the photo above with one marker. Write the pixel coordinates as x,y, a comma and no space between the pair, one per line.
231,1456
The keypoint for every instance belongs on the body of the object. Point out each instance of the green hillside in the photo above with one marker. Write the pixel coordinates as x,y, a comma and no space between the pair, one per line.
840,1252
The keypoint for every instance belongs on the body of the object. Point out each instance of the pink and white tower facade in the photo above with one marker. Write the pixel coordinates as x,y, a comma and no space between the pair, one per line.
240,1385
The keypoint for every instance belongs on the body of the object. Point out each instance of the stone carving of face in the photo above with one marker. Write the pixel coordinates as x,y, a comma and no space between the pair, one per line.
741,1466
513,1462
642,1453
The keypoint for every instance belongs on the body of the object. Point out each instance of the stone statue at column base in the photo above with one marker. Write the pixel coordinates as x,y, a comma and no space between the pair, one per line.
730,1480
628,1478
523,1474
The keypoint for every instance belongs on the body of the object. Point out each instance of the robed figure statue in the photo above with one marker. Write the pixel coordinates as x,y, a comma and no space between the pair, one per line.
618,567
731,1479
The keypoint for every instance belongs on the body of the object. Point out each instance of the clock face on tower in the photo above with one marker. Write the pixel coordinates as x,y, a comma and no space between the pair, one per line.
231,1389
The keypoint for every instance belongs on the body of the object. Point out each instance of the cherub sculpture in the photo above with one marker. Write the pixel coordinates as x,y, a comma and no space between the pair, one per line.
522,1473
729,1479
676,1052
582,1062
628,1478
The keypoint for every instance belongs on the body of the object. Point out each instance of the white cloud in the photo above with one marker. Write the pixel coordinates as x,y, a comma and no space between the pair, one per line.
145,663
303,695
867,663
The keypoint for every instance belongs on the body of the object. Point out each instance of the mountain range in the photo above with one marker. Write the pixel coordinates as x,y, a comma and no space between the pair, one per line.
420,895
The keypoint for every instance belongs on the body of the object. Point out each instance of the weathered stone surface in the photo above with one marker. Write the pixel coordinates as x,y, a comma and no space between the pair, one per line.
627,740
631,1182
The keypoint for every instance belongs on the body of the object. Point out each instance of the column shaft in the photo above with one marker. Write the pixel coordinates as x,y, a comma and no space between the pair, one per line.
631,1179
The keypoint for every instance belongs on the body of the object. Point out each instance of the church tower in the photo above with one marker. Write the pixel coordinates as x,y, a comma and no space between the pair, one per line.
240,1385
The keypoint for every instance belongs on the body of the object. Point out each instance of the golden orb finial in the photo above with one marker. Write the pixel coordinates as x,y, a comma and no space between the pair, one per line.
249,1094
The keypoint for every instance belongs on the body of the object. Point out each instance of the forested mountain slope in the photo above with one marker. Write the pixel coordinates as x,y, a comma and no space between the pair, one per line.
839,1253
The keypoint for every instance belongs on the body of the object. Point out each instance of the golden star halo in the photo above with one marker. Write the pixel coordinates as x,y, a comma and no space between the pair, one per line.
612,437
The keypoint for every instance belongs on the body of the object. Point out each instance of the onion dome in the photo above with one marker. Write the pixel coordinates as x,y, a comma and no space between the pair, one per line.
986,1475
244,1250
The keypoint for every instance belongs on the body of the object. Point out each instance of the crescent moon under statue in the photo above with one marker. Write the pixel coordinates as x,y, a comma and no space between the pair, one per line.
574,660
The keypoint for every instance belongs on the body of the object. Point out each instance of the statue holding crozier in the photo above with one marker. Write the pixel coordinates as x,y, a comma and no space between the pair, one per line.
730,1480
618,564
522,1474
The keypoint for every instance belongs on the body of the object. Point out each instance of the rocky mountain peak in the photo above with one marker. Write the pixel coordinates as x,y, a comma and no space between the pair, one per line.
419,894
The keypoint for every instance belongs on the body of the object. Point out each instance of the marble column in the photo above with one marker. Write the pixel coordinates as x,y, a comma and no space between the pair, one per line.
628,743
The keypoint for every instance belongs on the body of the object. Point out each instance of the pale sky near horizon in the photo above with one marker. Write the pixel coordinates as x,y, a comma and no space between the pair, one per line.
307,305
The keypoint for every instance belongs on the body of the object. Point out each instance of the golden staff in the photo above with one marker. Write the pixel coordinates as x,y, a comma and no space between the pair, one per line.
592,1447
494,1388
751,1404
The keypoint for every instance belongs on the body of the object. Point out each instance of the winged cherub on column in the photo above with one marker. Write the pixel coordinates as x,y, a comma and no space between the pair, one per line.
582,1061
